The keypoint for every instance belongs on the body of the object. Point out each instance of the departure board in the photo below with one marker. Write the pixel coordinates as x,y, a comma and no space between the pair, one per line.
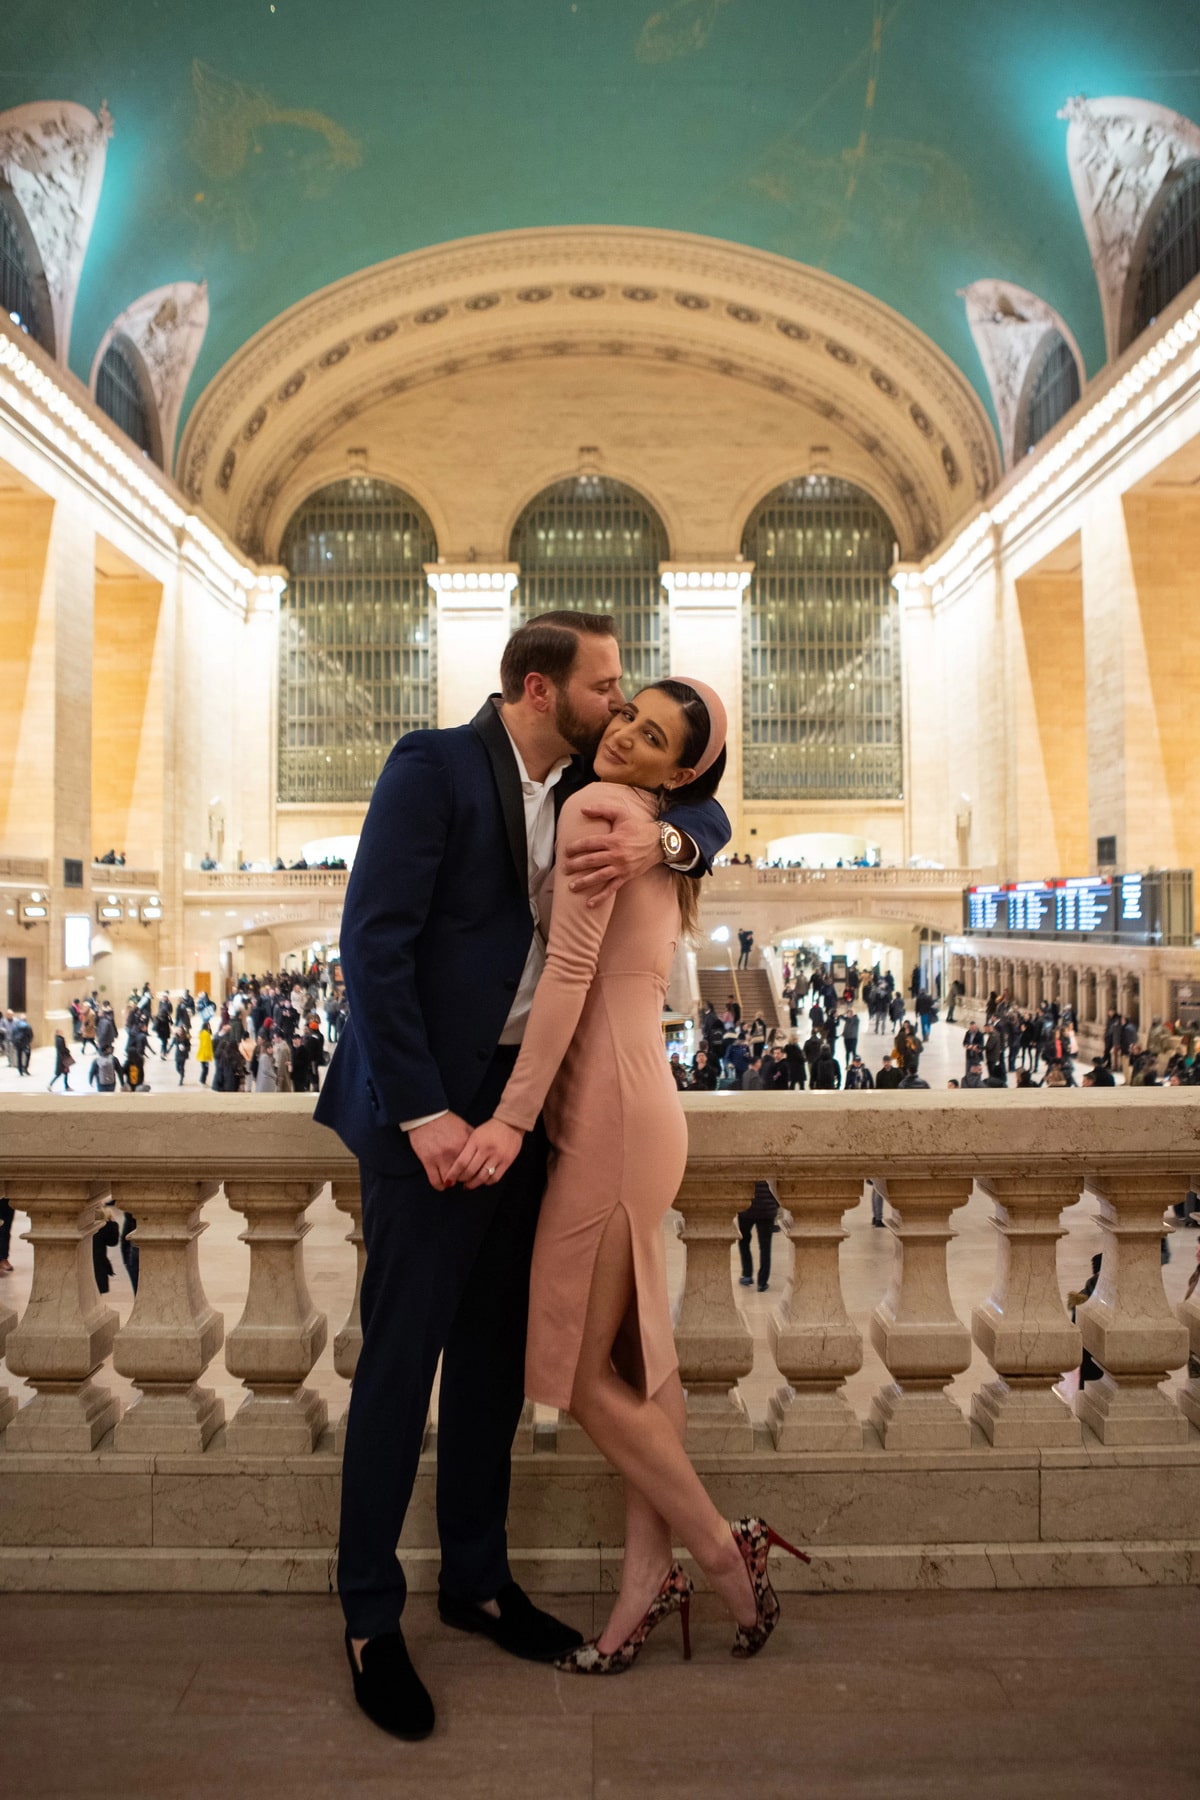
1154,907
1031,908
1084,904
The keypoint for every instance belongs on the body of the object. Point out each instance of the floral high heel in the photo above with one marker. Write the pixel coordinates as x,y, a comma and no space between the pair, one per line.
675,1595
755,1539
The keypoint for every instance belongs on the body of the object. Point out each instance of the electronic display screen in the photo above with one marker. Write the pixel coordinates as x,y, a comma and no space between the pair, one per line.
983,907
1153,908
1084,904
1031,907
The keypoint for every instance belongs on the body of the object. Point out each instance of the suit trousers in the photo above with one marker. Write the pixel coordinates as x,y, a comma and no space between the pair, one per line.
447,1275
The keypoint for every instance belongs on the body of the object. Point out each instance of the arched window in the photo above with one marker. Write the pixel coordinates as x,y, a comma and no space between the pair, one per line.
123,392
1051,390
821,672
1172,256
356,640
23,295
593,545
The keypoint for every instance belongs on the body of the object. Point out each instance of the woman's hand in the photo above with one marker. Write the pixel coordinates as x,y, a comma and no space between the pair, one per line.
487,1155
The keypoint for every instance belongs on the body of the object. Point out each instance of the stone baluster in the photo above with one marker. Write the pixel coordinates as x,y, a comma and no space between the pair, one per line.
922,1341
1022,1327
347,1197
1128,1324
814,1342
8,1402
66,1330
173,1332
280,1334
1189,1318
712,1339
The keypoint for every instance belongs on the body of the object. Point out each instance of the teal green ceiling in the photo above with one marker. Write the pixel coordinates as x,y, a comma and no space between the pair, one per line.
908,147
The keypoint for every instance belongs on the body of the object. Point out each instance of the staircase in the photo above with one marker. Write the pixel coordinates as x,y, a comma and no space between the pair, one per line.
751,988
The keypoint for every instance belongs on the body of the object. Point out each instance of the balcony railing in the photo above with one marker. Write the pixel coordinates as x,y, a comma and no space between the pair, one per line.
118,877
266,881
24,869
943,880
1061,1473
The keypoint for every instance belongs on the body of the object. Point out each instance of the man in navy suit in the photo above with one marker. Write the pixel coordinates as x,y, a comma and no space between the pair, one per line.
442,944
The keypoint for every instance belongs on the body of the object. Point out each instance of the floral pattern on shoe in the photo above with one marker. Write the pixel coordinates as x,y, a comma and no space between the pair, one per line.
675,1595
754,1538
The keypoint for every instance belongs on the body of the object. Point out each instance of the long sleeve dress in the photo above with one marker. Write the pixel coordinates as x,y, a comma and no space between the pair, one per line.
592,1060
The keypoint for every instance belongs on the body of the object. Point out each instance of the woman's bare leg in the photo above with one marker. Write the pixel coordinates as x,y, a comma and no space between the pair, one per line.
648,1547
640,1440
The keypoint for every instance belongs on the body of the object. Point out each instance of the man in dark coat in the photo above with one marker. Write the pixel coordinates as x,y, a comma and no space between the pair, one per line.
440,956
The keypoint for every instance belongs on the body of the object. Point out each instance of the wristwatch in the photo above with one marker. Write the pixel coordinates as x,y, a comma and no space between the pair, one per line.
671,840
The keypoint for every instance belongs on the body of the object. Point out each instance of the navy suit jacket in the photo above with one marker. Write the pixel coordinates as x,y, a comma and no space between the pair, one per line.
436,930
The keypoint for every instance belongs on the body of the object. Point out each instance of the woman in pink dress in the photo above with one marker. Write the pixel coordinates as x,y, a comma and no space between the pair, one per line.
601,1344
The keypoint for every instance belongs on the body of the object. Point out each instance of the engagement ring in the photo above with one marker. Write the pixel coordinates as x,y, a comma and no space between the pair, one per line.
491,1168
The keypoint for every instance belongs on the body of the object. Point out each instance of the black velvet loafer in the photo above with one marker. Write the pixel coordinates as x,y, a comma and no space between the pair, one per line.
388,1688
522,1629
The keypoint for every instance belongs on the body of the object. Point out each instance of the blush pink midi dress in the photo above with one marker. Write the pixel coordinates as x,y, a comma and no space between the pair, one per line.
593,1061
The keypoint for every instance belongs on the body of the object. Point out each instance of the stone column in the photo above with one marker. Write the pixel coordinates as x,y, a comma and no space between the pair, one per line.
1189,1318
8,1402
1128,1324
1022,1327
67,1331
704,601
713,1342
915,1329
474,613
347,1197
172,1333
280,1334
813,1339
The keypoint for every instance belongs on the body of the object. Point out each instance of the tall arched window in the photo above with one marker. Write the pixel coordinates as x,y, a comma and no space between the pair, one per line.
356,638
23,294
593,545
1172,256
821,672
1051,390
123,392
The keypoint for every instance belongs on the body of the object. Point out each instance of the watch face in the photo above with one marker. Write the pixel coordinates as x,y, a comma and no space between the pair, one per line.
672,841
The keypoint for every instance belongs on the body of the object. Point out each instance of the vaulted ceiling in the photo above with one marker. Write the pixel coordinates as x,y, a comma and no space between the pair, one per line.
270,147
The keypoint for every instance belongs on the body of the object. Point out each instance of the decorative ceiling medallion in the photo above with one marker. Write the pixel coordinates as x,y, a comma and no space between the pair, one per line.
534,294
291,386
587,291
920,420
640,293
745,315
796,332
430,315
225,474
482,302
255,423
396,385
333,357
693,302
840,353
953,473
382,332
885,384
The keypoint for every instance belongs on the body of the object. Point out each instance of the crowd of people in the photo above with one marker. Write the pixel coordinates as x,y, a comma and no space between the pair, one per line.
1018,1042
209,863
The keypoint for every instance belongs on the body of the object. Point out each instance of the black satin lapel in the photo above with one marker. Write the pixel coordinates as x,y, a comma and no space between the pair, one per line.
488,724
576,775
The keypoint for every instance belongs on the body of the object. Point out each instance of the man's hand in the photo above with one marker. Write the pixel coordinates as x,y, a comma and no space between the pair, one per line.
439,1145
490,1151
599,866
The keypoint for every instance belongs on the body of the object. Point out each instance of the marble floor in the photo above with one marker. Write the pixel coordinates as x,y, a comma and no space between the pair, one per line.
966,1696
866,1254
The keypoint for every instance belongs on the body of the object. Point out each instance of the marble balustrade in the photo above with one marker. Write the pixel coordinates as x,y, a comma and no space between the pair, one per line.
1135,1152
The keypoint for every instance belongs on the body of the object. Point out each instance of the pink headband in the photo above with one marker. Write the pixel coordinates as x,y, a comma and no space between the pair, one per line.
717,721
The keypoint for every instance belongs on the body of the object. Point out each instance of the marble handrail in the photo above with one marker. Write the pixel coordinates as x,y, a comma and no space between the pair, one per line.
1133,1150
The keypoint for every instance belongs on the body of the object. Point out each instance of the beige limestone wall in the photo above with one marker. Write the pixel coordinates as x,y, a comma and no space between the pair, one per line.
26,671
1048,832
128,749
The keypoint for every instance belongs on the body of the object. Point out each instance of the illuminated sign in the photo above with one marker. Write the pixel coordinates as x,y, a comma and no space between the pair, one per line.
77,941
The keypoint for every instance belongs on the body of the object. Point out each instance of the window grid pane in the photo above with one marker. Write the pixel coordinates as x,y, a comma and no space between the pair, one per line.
16,288
119,394
821,666
357,638
1055,390
589,544
1173,254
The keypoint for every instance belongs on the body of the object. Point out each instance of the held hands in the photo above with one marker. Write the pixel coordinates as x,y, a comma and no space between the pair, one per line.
488,1154
438,1144
599,866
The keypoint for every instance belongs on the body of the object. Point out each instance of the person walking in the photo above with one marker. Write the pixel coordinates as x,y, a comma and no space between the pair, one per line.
21,1036
64,1062
181,1040
440,998
745,945
759,1220
204,1052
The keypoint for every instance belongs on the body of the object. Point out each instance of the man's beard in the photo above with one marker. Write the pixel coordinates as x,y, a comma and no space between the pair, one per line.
583,738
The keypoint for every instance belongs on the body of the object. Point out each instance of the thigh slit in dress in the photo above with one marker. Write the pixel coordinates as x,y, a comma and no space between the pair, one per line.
593,1061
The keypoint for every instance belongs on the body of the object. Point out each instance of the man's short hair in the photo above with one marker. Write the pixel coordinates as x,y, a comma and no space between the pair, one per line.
548,645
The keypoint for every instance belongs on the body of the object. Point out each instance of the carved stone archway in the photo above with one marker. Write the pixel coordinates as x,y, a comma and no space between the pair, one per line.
885,391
